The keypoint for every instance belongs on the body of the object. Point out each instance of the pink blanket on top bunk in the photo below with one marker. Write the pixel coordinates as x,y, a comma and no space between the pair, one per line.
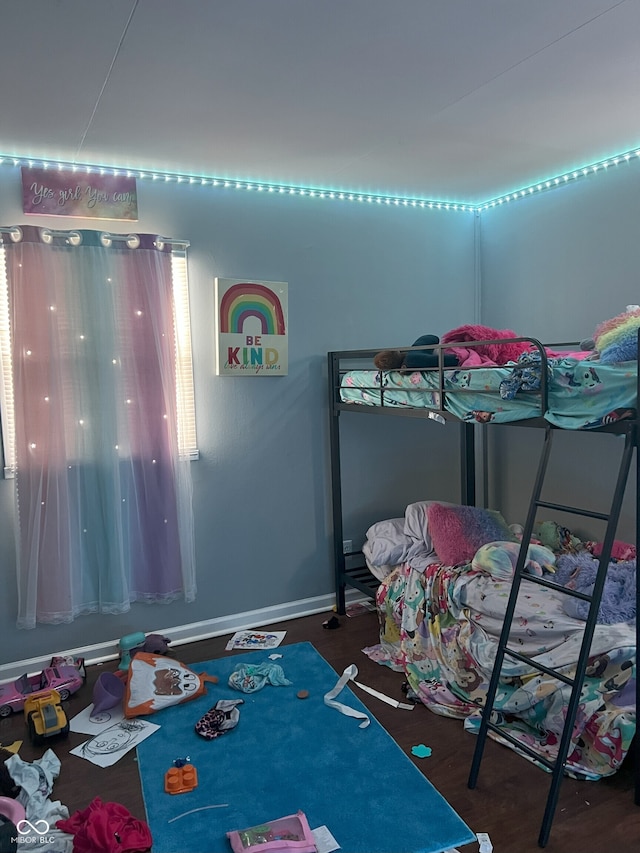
495,353
476,356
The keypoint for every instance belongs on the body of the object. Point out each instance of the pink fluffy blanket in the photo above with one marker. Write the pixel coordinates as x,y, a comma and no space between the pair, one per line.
494,353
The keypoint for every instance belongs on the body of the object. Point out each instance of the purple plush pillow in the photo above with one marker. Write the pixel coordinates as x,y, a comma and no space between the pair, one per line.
458,531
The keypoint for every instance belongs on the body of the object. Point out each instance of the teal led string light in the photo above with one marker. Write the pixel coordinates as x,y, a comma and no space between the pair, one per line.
327,194
229,183
561,180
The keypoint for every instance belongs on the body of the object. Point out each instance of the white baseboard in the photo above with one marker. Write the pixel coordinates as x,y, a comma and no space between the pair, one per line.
181,634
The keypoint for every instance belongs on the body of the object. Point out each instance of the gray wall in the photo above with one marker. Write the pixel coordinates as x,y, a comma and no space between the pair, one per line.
554,265
359,276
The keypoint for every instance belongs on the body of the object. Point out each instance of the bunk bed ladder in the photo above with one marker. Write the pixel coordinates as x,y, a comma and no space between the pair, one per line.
576,683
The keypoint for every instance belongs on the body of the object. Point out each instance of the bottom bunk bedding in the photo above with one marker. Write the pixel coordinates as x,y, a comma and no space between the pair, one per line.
441,627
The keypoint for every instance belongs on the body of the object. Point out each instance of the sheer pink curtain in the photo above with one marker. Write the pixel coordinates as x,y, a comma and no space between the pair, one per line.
103,497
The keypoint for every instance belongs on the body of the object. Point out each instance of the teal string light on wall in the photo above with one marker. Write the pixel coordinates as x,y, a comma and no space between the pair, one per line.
224,183
327,194
567,177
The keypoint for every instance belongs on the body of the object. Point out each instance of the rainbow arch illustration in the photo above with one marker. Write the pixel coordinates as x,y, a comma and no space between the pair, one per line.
247,299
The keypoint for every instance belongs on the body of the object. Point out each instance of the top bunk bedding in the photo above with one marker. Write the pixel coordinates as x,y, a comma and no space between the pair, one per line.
484,375
580,394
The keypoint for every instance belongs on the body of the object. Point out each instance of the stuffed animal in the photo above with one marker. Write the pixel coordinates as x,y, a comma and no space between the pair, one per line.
499,559
617,339
390,359
556,537
154,644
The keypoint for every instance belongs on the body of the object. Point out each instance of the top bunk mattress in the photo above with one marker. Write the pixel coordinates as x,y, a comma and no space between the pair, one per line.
582,394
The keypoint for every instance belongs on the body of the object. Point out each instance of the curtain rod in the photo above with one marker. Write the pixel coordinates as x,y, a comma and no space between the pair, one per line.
74,238
14,232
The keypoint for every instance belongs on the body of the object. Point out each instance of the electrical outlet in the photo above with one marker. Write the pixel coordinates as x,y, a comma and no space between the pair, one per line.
347,546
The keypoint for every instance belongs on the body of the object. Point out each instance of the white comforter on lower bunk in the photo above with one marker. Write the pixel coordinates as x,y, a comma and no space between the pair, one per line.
440,625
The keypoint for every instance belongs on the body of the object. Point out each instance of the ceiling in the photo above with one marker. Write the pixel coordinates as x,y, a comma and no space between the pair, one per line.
448,100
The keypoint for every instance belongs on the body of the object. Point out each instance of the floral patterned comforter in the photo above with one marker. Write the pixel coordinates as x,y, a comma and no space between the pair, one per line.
441,628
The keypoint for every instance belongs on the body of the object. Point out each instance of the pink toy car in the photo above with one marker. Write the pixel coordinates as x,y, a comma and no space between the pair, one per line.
65,679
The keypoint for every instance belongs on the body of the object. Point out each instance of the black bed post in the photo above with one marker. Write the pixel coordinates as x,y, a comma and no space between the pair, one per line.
467,464
336,485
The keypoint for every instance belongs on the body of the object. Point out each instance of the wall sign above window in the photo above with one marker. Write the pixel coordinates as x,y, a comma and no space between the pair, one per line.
60,192
251,325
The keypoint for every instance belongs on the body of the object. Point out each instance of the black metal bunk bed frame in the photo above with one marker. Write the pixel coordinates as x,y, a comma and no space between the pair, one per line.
358,576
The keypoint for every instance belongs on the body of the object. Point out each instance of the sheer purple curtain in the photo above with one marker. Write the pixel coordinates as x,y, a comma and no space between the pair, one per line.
103,496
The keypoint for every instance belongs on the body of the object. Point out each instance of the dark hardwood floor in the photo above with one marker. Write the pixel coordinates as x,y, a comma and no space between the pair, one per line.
508,802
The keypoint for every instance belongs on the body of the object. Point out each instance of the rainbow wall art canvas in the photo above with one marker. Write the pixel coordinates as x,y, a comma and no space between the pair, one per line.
251,327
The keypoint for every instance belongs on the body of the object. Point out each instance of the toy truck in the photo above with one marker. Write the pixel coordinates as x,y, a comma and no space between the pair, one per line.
44,717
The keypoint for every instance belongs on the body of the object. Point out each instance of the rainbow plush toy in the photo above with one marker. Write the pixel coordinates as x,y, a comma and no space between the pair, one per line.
617,339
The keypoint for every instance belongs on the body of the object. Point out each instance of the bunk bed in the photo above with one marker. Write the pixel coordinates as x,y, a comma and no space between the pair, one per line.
512,666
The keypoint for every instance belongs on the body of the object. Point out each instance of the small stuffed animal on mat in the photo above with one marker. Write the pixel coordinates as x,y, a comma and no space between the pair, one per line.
390,359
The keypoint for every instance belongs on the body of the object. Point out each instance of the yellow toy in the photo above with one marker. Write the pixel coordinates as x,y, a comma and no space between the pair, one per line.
44,717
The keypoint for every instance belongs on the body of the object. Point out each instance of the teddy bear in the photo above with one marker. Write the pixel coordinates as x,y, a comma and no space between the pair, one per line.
389,359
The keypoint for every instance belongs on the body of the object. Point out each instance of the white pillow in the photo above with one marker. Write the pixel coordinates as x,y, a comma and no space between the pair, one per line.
415,523
401,540
388,544
379,572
